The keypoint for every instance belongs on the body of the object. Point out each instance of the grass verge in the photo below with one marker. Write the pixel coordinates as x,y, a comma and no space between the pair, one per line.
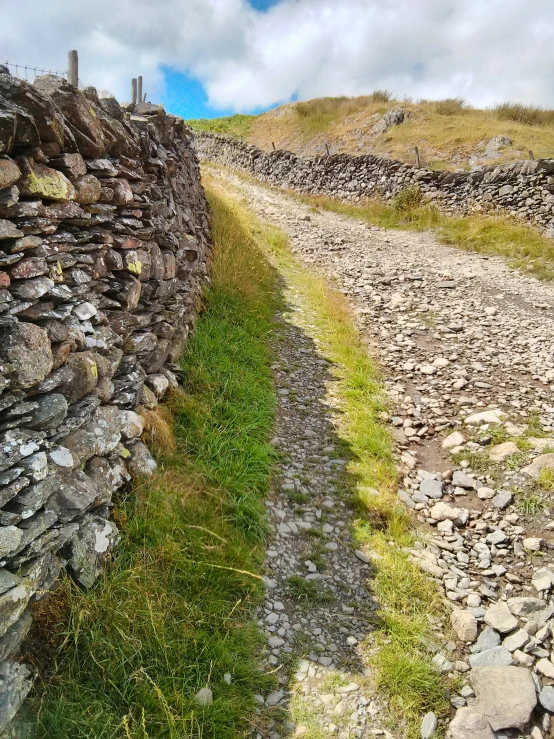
404,671
175,611
523,245
237,125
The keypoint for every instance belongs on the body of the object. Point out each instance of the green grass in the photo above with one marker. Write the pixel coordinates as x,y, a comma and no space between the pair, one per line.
530,503
308,590
237,125
176,609
546,480
523,245
404,671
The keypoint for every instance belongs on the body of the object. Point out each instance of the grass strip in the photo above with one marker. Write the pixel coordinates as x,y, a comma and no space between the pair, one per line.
403,665
526,249
175,611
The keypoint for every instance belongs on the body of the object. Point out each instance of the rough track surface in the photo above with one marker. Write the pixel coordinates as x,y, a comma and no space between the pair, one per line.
317,610
459,335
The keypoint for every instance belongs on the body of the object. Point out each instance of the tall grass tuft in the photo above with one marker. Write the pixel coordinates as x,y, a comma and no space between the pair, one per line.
526,114
449,106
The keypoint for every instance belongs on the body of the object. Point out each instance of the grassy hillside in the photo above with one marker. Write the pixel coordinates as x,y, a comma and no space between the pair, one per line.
448,133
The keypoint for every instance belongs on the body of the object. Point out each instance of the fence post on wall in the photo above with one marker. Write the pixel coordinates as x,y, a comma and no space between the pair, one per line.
134,91
139,79
273,145
327,149
531,155
73,68
417,159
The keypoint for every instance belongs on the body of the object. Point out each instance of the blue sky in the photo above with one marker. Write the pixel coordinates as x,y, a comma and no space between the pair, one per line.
185,94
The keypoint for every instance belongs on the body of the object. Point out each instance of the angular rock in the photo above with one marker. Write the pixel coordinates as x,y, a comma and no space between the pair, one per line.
505,696
540,463
495,656
464,624
468,724
15,684
38,180
500,618
90,549
25,354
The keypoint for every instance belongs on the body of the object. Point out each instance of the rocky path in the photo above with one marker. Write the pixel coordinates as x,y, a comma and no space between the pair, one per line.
467,345
317,610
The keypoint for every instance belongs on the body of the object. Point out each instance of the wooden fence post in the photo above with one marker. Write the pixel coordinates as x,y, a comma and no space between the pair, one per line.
327,149
139,92
417,159
273,145
73,68
531,155
134,91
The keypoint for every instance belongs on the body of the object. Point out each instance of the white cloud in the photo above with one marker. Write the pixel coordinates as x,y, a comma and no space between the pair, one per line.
483,51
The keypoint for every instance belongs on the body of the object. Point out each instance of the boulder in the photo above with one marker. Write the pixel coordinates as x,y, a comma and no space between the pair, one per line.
505,696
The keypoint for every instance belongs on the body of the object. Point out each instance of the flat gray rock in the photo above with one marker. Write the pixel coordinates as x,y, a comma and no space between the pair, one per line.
494,656
505,696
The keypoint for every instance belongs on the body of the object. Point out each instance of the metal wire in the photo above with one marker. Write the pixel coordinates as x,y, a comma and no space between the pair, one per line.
23,70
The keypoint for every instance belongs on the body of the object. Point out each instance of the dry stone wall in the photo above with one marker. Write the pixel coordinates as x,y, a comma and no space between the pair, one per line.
524,189
104,245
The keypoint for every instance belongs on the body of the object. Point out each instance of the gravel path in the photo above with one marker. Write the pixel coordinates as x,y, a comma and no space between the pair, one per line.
317,610
466,344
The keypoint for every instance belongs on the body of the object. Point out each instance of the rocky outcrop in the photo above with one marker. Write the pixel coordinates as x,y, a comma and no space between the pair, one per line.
103,251
524,189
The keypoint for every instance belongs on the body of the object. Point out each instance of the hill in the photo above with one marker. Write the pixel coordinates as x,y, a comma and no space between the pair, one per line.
448,133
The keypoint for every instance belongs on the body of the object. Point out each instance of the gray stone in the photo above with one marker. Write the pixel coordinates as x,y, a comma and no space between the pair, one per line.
488,639
50,412
527,607
91,547
431,488
505,696
502,499
468,724
15,684
204,697
464,624
499,617
429,725
546,698
75,494
495,656
461,480
141,463
25,354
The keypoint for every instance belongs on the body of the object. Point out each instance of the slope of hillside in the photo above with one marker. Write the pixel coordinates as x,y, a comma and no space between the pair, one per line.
447,133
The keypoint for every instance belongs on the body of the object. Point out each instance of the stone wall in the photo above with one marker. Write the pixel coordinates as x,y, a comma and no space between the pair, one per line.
104,245
524,189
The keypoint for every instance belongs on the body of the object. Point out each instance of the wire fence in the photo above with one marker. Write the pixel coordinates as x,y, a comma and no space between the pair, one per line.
25,72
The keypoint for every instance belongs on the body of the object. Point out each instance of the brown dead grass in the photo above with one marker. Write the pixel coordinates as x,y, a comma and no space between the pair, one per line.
447,132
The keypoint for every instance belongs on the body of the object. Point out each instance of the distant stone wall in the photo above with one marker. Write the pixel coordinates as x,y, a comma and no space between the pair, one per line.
524,189
104,245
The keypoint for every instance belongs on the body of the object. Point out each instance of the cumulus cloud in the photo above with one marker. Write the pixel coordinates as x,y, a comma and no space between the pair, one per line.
483,51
